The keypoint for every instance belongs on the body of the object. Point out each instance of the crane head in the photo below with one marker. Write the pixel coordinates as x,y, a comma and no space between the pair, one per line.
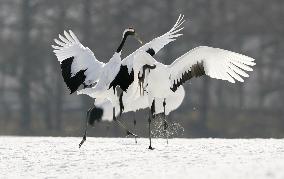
131,31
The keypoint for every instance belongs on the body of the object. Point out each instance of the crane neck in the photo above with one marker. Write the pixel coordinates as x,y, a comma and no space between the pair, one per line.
122,43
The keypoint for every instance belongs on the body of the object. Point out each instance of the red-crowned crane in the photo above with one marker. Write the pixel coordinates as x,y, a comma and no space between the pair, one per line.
164,80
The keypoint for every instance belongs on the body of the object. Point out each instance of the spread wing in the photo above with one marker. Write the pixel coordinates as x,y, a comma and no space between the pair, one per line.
214,62
157,44
78,63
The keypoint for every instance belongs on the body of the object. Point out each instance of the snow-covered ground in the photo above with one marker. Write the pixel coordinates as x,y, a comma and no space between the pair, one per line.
60,157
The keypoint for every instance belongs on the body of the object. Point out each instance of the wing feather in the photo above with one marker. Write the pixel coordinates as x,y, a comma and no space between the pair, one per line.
68,37
59,43
63,39
158,43
217,63
78,63
74,36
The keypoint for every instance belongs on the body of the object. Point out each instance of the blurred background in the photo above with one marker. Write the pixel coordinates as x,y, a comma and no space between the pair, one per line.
35,101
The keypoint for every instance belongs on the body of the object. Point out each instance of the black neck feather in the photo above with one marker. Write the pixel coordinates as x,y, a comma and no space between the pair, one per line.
122,42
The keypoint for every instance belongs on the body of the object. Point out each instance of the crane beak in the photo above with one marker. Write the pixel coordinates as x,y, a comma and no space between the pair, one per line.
138,38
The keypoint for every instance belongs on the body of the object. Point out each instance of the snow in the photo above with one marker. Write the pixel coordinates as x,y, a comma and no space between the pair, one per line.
50,157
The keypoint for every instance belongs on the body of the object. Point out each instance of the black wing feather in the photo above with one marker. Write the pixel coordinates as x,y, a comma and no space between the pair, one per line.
196,71
73,82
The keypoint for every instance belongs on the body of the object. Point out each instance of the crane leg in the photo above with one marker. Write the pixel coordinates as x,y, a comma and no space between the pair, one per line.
165,123
86,128
151,115
150,146
165,126
119,123
134,123
151,112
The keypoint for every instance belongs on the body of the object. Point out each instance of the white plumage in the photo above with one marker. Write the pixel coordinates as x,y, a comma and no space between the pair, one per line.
133,105
218,63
